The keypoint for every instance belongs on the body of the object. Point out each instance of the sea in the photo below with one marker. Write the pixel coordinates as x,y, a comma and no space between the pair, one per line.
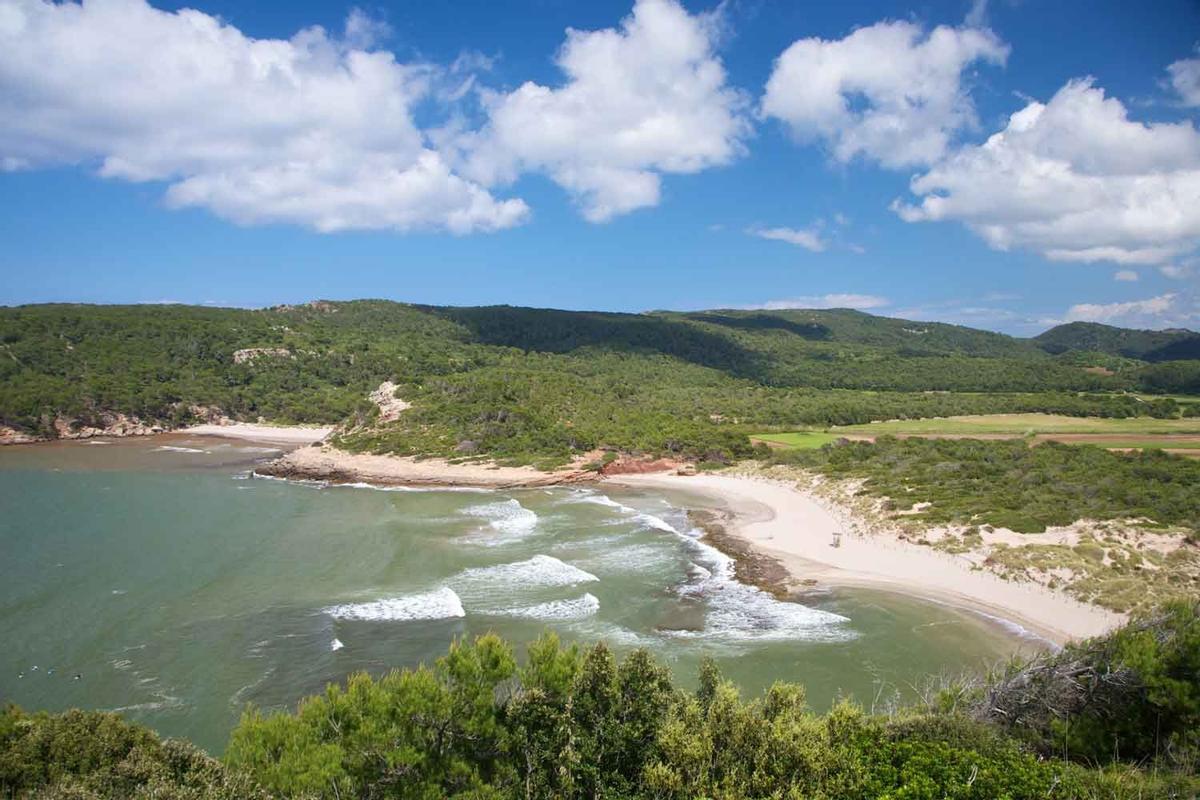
160,578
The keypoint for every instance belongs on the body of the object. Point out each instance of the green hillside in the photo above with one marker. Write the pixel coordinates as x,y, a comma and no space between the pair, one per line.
535,384
1168,345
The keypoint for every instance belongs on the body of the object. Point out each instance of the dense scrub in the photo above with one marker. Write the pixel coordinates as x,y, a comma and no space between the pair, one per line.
1133,695
1011,484
581,724
96,756
534,385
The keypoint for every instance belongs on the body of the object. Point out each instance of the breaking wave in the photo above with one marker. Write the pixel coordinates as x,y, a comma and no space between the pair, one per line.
579,608
541,570
507,518
441,603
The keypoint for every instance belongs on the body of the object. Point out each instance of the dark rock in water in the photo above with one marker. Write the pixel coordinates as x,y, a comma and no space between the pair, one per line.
750,566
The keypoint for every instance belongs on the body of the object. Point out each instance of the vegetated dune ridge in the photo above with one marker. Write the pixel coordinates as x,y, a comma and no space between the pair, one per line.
798,529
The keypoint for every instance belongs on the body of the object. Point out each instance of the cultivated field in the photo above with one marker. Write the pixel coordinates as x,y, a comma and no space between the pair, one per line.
1174,435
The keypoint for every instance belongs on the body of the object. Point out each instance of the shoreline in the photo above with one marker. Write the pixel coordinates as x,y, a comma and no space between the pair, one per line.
792,527
330,465
275,434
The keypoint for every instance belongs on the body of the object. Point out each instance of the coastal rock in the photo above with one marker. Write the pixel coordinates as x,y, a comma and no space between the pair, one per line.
13,436
111,424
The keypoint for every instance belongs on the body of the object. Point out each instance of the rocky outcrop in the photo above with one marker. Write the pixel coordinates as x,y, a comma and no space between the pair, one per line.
251,354
13,436
632,466
390,406
111,424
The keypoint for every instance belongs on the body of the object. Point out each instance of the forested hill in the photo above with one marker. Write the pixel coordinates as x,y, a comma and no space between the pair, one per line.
1168,345
513,382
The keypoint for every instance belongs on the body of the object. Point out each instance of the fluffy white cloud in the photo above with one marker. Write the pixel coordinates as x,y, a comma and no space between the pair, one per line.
1131,312
1127,275
889,92
1074,179
1185,79
309,130
641,100
859,301
809,239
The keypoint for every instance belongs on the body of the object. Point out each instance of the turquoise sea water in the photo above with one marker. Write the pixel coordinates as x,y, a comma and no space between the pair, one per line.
179,589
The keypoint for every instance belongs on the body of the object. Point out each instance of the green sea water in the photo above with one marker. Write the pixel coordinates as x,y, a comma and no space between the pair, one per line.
160,578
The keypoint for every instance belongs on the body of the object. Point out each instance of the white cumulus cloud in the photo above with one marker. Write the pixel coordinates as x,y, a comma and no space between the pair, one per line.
1185,79
1074,179
1133,311
808,238
639,101
310,130
1127,275
889,92
835,300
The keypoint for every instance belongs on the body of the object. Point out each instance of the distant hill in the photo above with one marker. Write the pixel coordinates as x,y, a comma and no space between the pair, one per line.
526,384
1167,345
857,327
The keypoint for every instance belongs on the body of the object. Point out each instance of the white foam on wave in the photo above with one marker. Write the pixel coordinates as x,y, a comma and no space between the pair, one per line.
738,612
507,518
170,448
642,518
541,570
441,603
336,645
579,608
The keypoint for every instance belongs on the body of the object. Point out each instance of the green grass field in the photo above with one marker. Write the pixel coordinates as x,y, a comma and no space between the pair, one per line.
1022,424
804,440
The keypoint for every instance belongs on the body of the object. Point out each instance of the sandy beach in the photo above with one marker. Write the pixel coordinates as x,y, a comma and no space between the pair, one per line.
276,434
338,466
794,527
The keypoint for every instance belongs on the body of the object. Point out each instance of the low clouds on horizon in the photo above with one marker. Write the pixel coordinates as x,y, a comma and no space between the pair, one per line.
320,130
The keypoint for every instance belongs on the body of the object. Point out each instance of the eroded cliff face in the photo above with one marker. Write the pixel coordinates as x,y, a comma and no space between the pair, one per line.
111,424
106,423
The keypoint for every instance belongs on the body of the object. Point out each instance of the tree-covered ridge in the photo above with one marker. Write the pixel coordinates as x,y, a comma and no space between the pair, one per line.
535,384
1170,345
1115,717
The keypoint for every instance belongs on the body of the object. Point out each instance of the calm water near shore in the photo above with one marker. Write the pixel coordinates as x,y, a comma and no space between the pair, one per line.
178,588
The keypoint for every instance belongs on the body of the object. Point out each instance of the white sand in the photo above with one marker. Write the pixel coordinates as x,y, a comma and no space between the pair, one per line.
279,434
796,528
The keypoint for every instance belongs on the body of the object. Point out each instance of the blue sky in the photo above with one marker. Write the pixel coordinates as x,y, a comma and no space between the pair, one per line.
752,154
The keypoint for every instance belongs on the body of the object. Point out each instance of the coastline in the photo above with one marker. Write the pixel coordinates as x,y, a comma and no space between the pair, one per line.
791,526
330,465
275,434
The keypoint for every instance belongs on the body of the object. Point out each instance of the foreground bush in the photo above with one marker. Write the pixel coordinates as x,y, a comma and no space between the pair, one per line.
1133,695
569,724
95,756
572,725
